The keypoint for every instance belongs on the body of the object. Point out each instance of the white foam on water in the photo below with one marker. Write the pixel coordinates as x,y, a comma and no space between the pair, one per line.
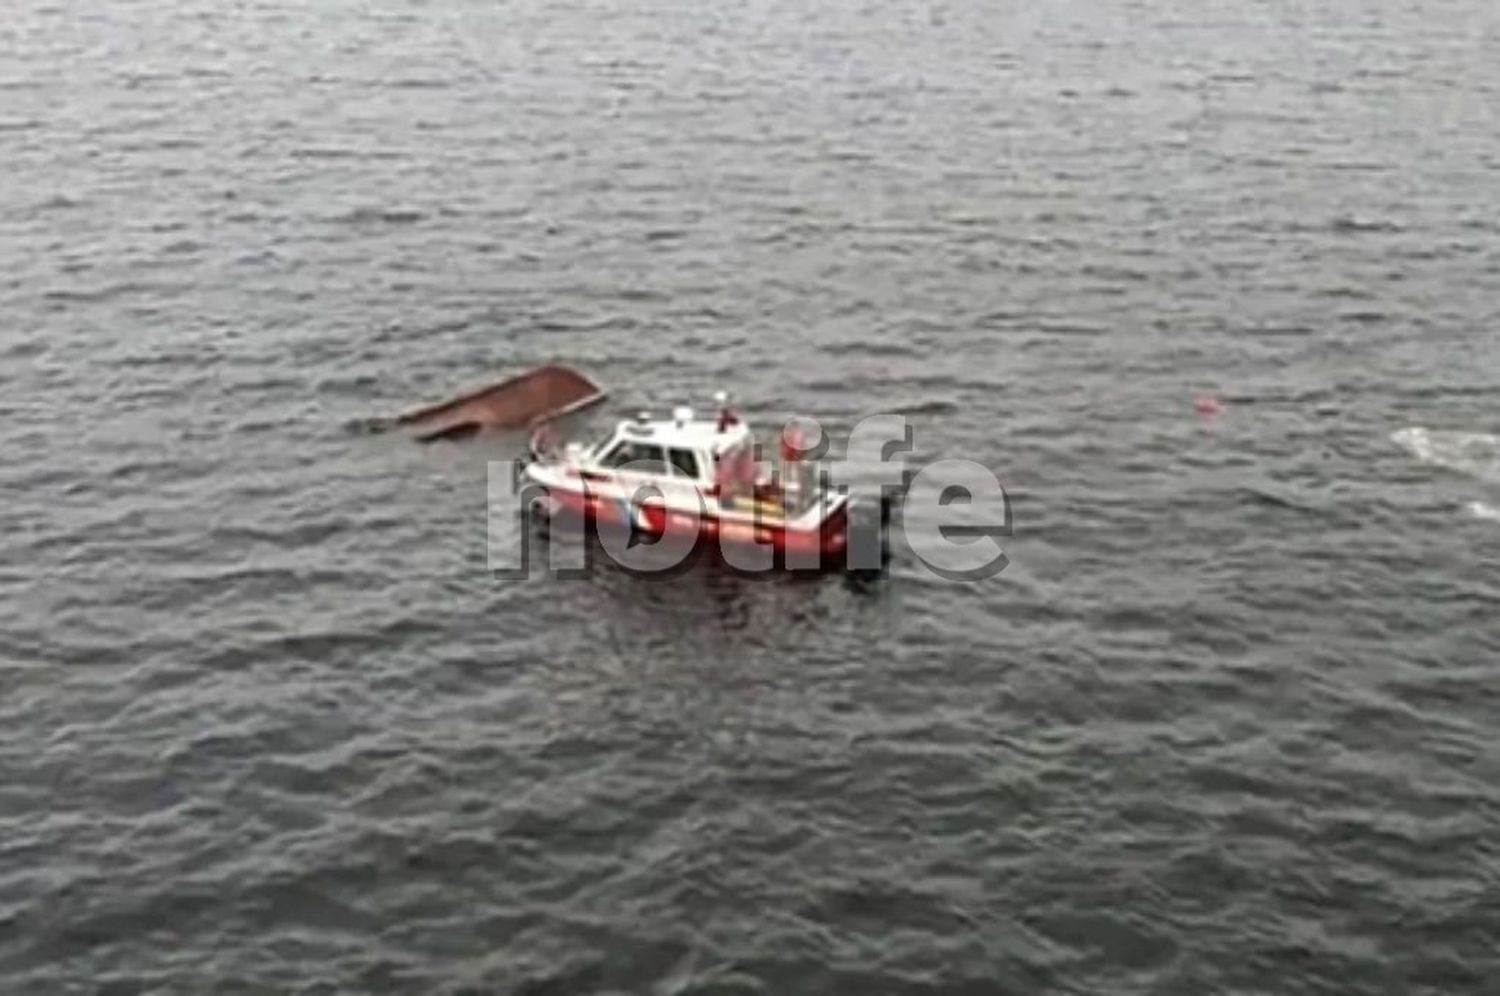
1474,454
1480,510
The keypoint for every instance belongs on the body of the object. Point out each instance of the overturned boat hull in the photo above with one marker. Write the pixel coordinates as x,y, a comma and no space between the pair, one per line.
520,402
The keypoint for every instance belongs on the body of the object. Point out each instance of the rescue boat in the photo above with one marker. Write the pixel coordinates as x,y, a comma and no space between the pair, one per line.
701,479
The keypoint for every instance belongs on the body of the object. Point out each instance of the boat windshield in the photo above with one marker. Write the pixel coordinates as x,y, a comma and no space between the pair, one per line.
629,454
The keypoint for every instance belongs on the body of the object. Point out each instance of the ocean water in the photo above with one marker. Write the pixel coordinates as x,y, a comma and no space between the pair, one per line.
1227,723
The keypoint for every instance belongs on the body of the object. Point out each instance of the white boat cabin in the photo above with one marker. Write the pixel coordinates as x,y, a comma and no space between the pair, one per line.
683,448
680,458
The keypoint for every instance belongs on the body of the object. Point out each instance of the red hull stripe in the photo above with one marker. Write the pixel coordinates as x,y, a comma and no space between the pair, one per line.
830,538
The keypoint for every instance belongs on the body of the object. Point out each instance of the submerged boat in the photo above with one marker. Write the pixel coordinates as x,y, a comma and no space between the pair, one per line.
520,402
700,479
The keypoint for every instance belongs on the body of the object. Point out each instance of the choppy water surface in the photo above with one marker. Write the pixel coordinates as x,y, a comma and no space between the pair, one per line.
1226,724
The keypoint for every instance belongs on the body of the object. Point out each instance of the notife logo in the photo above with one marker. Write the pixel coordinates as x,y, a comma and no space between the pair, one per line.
801,512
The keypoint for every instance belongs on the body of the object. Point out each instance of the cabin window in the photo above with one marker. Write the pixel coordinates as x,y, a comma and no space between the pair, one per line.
641,458
685,462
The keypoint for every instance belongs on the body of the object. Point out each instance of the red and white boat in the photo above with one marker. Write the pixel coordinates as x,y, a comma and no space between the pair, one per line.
690,477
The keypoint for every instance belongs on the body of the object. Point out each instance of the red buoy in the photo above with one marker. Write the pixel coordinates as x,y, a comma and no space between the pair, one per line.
1209,407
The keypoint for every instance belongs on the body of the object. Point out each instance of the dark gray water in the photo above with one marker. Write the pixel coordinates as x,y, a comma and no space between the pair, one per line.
1227,724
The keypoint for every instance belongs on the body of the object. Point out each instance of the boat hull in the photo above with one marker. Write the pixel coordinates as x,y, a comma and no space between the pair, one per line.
816,546
521,402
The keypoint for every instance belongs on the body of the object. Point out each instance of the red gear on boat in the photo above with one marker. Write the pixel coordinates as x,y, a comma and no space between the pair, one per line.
736,474
749,473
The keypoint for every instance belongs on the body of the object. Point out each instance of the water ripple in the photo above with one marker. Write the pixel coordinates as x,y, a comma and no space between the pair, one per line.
1223,725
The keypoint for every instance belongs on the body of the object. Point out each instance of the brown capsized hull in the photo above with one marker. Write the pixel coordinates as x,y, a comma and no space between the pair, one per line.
518,403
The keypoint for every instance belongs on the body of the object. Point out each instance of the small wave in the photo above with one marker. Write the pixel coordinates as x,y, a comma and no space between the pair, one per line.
873,349
925,408
59,202
24,349
374,215
108,292
1354,224
1269,499
370,426
321,152
1474,454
